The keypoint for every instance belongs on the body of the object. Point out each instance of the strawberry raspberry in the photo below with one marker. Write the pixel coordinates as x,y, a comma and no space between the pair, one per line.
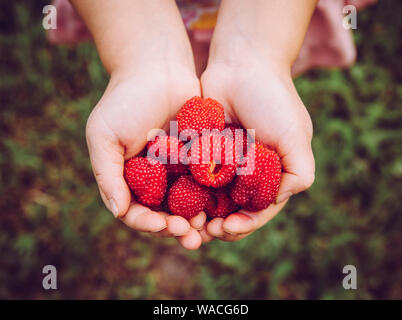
147,179
186,198
201,114
258,188
220,204
166,149
241,143
213,162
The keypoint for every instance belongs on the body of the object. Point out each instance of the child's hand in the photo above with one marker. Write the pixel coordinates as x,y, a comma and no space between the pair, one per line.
261,96
145,48
133,104
253,48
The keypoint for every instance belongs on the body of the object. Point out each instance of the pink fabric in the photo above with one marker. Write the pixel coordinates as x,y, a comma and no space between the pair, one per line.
70,28
327,42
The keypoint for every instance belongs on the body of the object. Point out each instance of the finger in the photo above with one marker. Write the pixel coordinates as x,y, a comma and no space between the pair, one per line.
177,226
298,171
238,223
107,159
245,222
214,227
198,221
230,238
191,241
141,218
205,236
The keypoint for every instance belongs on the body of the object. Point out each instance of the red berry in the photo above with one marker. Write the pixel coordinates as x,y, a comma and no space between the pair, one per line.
220,204
241,143
201,114
186,198
166,149
213,162
257,189
147,179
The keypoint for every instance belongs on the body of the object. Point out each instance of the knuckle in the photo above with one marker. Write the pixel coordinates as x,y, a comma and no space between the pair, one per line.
309,129
100,180
307,180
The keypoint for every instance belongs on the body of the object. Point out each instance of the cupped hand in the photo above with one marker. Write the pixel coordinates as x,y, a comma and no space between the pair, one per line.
260,95
134,103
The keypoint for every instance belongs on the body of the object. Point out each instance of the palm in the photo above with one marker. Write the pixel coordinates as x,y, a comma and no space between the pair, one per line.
260,99
117,130
132,108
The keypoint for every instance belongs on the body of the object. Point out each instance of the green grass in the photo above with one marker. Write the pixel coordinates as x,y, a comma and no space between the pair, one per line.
51,212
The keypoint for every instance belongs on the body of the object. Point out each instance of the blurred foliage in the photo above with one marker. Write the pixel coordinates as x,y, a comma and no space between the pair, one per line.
51,212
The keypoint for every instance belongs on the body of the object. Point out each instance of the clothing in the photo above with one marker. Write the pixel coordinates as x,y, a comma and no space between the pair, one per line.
327,42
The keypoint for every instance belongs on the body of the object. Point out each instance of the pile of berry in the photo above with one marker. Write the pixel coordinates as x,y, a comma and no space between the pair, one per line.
217,168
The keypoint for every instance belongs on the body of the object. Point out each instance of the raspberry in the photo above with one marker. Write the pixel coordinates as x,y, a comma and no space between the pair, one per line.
214,159
166,149
147,180
213,163
241,144
201,114
257,189
186,198
220,204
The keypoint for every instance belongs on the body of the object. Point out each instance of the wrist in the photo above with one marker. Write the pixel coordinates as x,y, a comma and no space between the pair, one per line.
264,30
152,69
161,54
133,32
236,52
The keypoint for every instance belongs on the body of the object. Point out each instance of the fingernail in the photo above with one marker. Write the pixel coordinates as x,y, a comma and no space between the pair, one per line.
284,196
114,208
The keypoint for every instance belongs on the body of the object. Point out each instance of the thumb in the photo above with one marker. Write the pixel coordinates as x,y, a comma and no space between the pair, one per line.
107,159
298,171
